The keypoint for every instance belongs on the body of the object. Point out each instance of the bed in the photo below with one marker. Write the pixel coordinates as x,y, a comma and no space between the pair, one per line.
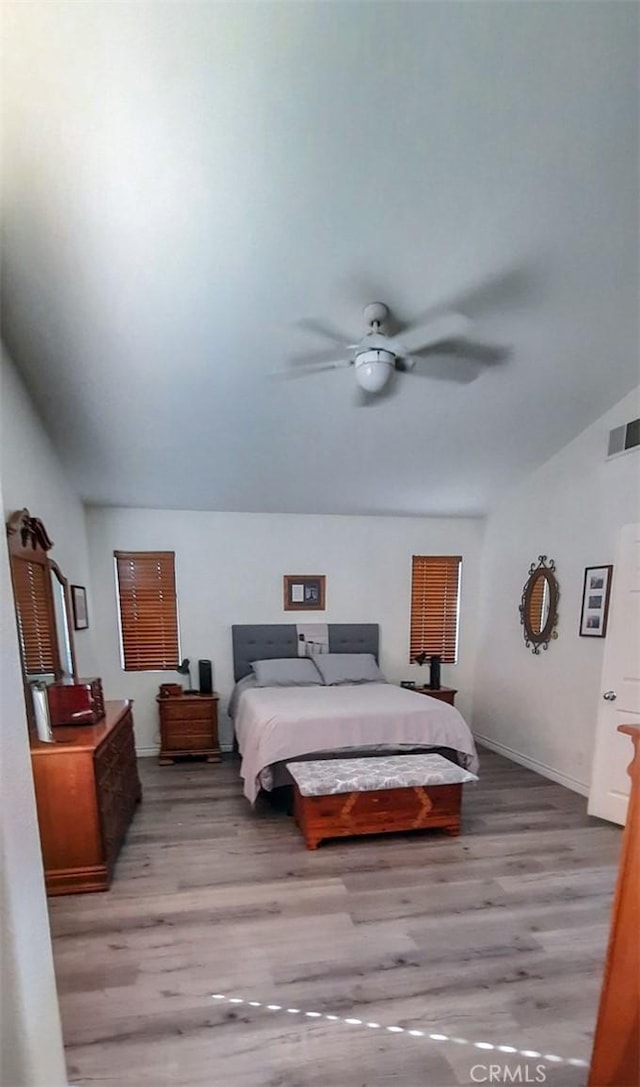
274,725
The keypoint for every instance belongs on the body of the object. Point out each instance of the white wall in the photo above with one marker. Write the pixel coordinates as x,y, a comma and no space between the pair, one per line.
30,1036
542,709
32,476
229,570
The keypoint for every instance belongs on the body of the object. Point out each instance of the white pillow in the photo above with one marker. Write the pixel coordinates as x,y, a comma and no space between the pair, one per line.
286,672
338,668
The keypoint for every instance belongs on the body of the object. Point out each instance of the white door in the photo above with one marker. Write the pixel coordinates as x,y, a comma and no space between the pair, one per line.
620,688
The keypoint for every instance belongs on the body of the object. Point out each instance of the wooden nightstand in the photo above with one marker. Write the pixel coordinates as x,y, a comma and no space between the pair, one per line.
188,726
443,694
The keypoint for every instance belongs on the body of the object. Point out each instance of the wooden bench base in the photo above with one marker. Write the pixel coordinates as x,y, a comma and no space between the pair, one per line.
342,815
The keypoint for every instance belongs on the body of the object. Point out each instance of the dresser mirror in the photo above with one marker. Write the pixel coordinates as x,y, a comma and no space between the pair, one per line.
41,597
539,605
61,602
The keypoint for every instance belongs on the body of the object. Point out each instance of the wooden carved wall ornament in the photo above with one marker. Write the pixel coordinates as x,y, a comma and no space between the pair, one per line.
539,605
31,530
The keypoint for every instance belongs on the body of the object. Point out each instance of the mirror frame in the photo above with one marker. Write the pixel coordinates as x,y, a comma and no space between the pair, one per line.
28,540
534,639
66,592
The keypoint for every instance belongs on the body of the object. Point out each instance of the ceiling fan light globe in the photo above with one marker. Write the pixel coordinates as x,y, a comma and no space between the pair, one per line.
373,370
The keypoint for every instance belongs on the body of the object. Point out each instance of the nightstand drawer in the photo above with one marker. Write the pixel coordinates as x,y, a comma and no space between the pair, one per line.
185,709
188,735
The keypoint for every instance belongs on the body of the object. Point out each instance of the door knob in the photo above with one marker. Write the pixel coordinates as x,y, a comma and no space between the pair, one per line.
609,696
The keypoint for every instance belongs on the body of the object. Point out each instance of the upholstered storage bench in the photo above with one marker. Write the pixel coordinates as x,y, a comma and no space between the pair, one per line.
338,798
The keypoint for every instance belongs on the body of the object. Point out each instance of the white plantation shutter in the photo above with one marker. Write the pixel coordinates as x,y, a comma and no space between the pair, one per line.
435,598
148,610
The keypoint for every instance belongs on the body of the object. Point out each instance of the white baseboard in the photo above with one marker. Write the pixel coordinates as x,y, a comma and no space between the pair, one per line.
533,764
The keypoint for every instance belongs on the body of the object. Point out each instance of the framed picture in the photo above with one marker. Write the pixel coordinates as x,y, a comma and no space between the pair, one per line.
79,605
595,601
304,592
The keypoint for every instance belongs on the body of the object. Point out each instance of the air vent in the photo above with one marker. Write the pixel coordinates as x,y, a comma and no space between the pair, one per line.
624,438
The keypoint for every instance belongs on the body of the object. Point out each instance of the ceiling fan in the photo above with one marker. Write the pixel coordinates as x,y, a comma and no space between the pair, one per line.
379,355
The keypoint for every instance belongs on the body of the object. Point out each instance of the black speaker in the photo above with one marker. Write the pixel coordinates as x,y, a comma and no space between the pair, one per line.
434,678
205,677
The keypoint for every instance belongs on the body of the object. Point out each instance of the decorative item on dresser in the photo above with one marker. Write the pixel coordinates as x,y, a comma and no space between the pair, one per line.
79,703
184,669
188,726
87,788
205,677
434,667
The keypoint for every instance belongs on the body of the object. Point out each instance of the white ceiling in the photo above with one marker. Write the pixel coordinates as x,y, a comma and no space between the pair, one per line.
183,181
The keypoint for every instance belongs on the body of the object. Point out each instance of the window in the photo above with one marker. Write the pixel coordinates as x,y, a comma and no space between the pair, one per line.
36,622
148,610
435,605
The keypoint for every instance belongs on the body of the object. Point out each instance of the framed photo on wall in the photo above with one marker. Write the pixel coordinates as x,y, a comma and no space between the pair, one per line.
595,601
304,592
79,605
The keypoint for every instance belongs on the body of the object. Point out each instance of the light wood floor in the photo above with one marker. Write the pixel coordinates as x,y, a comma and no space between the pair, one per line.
497,936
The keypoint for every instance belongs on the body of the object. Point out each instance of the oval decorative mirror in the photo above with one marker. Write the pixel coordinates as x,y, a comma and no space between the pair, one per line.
539,604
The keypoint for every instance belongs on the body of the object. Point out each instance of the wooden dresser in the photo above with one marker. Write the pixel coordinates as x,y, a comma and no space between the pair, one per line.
188,726
87,788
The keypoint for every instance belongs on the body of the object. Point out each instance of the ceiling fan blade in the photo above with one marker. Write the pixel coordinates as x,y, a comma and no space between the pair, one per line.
438,368
496,291
312,368
406,364
313,358
461,361
323,328
487,354
449,326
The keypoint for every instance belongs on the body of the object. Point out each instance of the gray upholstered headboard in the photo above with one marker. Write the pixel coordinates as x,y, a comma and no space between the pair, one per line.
267,641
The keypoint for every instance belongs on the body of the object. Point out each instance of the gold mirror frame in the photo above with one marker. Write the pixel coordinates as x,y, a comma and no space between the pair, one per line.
534,639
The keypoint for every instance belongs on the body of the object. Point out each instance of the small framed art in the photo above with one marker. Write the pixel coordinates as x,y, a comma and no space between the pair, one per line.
595,601
304,592
79,605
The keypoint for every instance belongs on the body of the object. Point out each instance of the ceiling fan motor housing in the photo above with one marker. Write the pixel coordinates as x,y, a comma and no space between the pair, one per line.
376,313
373,369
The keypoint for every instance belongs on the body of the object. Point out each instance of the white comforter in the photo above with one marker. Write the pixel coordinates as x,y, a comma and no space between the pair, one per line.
277,723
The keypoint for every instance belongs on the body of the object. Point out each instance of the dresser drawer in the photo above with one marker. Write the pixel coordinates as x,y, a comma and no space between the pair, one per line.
117,786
